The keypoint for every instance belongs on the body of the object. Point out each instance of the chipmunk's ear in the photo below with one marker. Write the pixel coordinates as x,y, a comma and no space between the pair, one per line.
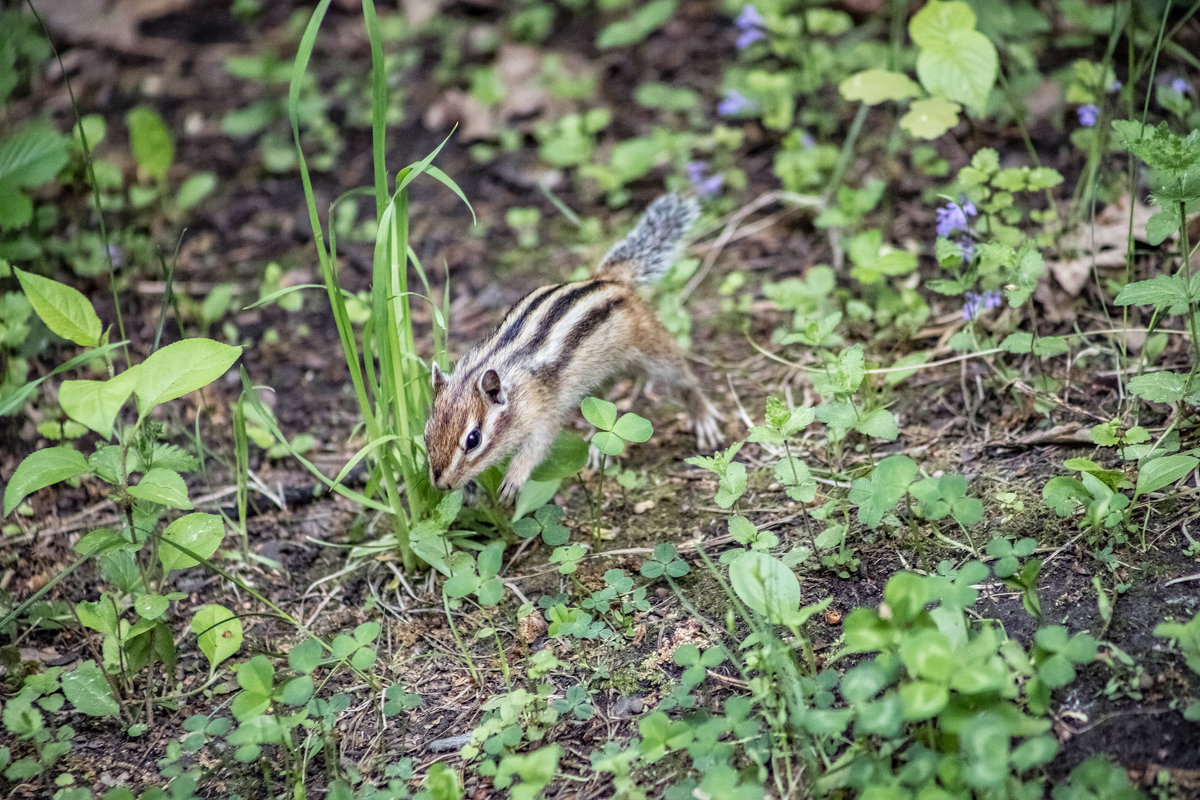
491,388
439,380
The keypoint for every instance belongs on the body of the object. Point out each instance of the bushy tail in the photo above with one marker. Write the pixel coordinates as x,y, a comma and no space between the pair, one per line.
652,246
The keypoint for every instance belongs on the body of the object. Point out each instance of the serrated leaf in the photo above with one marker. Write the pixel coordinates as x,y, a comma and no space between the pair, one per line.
63,308
200,533
163,486
1165,292
41,469
874,86
180,368
1159,387
931,117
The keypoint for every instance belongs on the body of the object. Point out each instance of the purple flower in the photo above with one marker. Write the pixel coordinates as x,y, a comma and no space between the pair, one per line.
1087,115
953,217
1180,86
1115,86
704,184
751,27
973,303
735,103
967,248
807,140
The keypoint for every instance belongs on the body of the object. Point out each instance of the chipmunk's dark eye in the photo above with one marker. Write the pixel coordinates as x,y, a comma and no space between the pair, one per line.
473,439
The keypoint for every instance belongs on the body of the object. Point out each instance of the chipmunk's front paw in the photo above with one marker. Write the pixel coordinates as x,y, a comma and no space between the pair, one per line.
509,490
708,432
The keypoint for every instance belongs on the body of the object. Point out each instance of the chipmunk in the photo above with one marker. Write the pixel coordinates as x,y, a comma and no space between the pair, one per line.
512,392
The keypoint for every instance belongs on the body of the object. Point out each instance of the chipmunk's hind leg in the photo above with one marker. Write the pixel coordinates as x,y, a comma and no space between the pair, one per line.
664,364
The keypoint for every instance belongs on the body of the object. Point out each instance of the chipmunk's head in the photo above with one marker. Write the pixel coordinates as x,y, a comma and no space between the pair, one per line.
465,432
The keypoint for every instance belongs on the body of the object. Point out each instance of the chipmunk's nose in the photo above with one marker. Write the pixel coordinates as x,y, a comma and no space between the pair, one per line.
435,476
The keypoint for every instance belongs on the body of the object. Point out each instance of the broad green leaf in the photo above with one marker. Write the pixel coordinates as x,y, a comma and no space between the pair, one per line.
535,494
151,606
880,424
299,690
931,117
179,368
151,142
567,456
99,615
646,19
194,189
97,403
33,155
306,656
599,413
163,486
1036,752
928,654
200,533
1064,494
1164,471
873,86
608,443
923,699
1019,342
633,428
765,585
877,495
63,308
1056,671
906,594
1047,346
41,469
89,691
955,60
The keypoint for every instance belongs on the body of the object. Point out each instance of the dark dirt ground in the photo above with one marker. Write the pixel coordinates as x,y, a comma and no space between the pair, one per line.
171,54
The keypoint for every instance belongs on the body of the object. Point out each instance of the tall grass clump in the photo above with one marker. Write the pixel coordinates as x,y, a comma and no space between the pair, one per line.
391,381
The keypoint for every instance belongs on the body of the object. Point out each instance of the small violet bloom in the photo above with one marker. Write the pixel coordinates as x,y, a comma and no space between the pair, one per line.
734,103
1115,86
705,185
967,248
1087,115
953,217
973,303
751,27
1180,86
